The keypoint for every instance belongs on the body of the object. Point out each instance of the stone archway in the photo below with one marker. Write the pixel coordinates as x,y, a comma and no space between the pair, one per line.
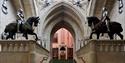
57,27
65,13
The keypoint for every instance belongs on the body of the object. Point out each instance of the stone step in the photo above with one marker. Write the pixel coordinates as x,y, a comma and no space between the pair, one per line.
62,61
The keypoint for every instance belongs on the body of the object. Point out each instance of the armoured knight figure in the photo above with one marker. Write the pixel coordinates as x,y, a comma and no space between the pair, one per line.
20,16
20,19
104,13
105,17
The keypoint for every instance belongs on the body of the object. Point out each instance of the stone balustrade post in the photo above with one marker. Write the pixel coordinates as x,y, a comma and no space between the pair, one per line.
15,47
4,47
10,47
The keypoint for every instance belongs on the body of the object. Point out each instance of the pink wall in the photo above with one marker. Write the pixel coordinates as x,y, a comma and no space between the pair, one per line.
64,36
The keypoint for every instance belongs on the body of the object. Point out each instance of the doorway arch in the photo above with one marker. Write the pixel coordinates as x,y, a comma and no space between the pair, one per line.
71,17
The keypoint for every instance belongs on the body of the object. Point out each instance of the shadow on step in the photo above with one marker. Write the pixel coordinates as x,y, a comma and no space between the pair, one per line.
62,61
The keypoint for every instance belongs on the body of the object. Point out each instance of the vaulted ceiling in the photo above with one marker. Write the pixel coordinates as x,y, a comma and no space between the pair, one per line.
62,12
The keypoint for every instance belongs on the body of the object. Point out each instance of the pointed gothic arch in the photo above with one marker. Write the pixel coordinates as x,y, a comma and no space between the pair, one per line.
63,13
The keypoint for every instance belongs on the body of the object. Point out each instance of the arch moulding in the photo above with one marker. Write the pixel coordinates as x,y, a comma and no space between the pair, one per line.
71,16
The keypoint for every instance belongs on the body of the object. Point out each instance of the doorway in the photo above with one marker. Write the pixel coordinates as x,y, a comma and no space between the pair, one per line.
62,45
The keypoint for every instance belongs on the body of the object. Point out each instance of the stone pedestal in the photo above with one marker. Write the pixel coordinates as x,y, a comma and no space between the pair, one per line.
103,51
22,51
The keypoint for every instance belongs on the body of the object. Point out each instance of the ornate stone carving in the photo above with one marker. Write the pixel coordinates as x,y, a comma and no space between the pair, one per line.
4,7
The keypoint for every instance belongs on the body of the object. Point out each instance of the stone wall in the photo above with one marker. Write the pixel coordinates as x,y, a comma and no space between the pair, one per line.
14,57
110,51
111,57
103,51
22,51
115,16
87,53
41,55
6,18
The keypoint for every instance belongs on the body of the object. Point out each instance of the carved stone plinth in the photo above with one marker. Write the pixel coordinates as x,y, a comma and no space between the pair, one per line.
22,51
103,51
